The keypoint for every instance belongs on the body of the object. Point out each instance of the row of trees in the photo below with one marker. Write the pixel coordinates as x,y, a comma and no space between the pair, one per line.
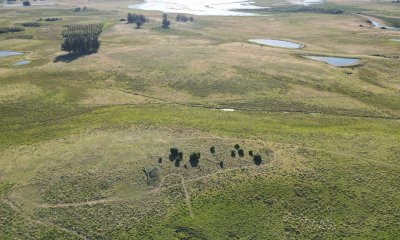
81,39
138,19
184,18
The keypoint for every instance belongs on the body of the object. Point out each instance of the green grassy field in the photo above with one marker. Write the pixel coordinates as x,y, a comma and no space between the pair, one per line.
77,134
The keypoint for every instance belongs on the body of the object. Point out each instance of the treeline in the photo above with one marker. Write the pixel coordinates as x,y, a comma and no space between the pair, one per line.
184,18
50,19
10,29
81,39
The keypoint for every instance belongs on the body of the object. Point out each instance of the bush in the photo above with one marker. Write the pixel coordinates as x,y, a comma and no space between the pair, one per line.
26,3
221,164
233,153
194,159
241,153
237,146
160,160
31,24
10,29
257,159
251,153
165,23
180,155
212,149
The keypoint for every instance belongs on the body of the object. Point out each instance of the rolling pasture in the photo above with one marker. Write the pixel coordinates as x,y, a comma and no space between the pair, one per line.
85,140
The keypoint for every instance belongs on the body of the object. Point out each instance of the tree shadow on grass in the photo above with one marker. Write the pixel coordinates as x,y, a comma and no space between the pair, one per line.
69,57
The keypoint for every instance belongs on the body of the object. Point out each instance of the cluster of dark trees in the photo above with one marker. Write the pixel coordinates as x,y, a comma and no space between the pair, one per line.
165,22
138,19
184,18
194,158
50,19
256,157
81,39
10,29
26,3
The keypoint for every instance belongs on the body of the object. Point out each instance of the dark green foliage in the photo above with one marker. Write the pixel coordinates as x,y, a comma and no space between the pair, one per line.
184,18
31,24
160,160
257,159
251,153
241,153
237,146
26,3
138,24
194,159
138,19
174,151
212,149
165,23
81,39
180,155
233,153
221,164
77,9
10,29
51,19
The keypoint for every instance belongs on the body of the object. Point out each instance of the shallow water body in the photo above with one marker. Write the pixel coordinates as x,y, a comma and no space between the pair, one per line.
335,61
9,53
277,43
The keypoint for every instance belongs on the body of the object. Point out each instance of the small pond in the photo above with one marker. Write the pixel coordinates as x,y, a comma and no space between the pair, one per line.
25,62
396,40
276,43
228,110
9,53
335,61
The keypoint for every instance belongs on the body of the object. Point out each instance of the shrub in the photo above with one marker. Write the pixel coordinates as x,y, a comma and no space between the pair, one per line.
221,164
241,153
212,149
194,159
26,3
237,146
180,155
251,153
31,24
257,159
233,153
160,160
10,29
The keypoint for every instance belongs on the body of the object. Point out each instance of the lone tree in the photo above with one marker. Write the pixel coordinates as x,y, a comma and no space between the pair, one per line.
81,39
257,159
212,149
251,153
174,152
194,159
241,153
139,23
237,146
165,22
221,164
26,3
233,153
